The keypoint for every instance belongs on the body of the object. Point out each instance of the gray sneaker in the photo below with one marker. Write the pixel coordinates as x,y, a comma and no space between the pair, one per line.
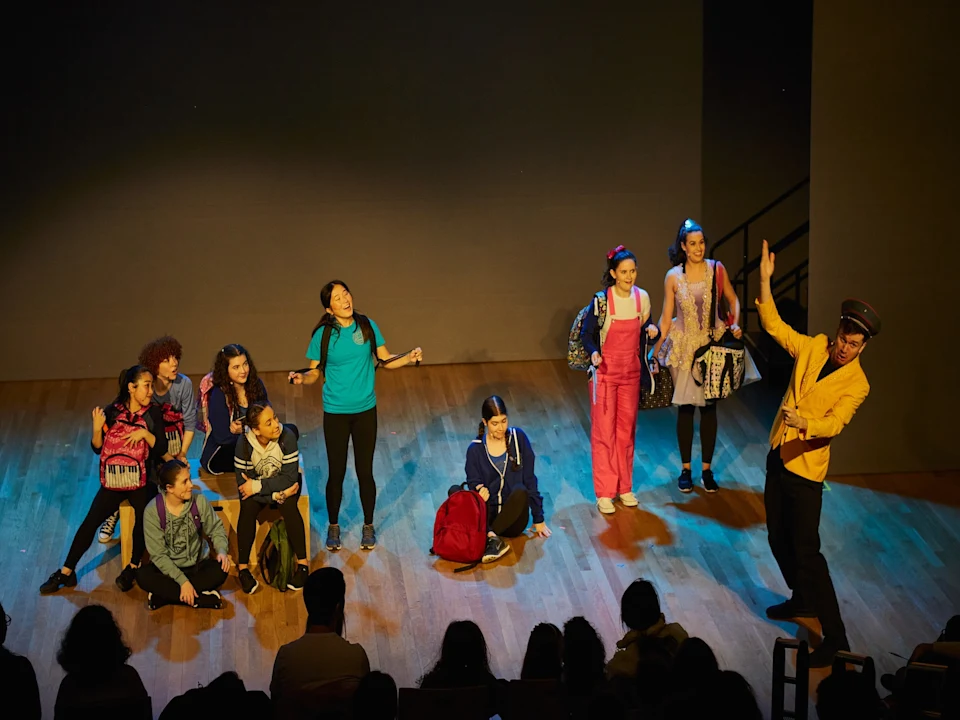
368,540
333,538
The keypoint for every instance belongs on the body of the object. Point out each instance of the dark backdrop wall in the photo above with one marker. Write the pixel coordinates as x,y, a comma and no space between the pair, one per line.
756,122
202,171
884,152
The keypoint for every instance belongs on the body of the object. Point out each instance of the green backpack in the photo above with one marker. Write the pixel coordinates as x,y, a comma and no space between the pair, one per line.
277,562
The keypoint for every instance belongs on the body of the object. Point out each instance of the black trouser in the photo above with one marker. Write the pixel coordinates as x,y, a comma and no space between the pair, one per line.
205,575
106,503
708,431
793,527
513,517
222,459
338,428
247,527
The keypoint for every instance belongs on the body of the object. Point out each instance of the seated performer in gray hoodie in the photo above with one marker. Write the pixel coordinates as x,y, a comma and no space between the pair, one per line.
176,526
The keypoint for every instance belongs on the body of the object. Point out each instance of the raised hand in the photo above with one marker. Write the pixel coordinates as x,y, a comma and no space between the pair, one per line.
99,419
416,355
766,262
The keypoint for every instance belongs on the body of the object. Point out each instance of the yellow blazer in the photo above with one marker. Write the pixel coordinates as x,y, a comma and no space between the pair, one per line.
827,405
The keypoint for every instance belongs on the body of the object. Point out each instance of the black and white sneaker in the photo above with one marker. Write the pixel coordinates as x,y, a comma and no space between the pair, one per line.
108,528
57,581
248,582
209,599
333,538
299,577
496,549
708,481
155,603
685,481
368,538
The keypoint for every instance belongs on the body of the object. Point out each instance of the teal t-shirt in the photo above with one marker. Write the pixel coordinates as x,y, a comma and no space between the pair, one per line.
348,385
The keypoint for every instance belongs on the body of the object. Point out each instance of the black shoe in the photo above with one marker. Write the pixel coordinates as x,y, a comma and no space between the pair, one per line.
496,549
709,484
155,603
209,599
248,582
333,538
823,656
368,539
299,578
126,579
685,481
789,610
57,581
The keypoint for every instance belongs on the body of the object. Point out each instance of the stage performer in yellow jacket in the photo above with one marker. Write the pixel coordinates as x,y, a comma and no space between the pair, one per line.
826,388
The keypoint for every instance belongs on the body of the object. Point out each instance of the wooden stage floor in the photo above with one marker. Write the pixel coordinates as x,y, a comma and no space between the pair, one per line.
893,542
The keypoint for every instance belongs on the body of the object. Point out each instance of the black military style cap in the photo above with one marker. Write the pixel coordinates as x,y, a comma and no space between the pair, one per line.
862,314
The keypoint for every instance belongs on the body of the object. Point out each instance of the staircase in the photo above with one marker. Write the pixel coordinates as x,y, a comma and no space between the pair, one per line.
739,250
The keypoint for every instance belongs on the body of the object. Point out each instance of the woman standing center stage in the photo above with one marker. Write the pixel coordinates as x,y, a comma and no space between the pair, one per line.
345,349
615,339
688,290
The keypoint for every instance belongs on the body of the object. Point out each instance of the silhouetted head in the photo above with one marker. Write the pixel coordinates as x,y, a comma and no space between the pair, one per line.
544,657
376,697
324,595
640,606
92,644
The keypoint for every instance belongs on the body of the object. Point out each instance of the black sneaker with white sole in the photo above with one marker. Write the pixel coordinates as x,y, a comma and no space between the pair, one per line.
685,481
248,582
708,481
496,549
155,603
209,599
57,581
299,577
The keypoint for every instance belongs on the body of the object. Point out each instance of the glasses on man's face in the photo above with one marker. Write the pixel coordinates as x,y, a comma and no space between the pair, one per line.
7,619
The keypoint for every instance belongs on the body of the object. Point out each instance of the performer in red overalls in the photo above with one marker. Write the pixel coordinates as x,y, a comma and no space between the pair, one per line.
615,335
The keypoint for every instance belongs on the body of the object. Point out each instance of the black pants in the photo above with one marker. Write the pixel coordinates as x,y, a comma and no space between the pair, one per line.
222,459
337,430
106,503
205,575
514,515
708,431
793,527
247,527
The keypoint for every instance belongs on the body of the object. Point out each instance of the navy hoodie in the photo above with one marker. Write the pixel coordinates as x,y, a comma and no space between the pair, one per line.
481,472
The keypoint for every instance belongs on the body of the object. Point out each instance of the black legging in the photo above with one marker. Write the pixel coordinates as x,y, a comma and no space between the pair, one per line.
513,517
205,575
337,430
708,431
247,527
106,503
222,459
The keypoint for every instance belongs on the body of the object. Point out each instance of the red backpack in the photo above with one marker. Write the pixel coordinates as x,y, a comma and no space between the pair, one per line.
173,428
122,467
460,530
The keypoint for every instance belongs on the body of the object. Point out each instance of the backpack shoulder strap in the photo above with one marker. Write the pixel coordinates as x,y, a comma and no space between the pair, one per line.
195,514
324,346
161,512
639,298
